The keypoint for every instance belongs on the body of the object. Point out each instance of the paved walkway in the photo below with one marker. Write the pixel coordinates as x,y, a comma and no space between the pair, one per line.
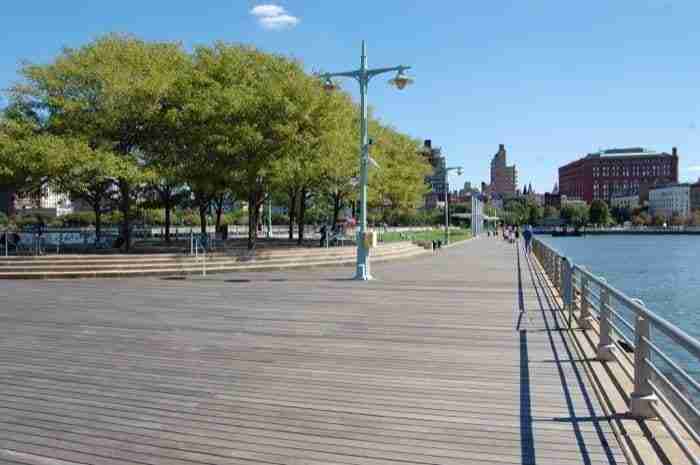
431,364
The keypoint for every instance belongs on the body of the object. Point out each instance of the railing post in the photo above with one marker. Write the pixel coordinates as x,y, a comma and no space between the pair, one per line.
585,319
567,288
643,397
606,348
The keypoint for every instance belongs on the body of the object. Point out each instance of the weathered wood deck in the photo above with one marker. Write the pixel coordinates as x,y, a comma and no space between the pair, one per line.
431,364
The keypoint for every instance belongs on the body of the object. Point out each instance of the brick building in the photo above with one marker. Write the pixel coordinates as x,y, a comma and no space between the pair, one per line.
504,178
618,171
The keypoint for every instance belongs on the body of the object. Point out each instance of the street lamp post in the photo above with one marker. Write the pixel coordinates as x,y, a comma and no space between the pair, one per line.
363,75
269,216
447,201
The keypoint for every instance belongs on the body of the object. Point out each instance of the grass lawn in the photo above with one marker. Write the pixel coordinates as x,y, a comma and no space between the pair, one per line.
456,235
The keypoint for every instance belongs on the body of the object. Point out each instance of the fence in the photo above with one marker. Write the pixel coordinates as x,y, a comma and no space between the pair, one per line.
664,360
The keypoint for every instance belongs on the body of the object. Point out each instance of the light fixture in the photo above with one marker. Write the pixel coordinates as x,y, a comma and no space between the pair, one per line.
401,80
329,85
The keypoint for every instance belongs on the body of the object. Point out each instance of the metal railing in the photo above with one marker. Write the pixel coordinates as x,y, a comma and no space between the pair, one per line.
662,356
198,249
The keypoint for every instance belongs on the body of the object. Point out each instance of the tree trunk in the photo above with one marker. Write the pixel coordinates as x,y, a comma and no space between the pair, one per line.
98,222
252,219
292,212
302,212
219,211
124,204
168,208
336,207
203,207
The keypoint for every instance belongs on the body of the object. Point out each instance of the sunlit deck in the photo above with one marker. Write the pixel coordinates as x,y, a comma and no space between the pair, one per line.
433,363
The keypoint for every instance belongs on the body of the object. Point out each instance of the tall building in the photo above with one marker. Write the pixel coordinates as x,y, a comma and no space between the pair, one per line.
504,178
673,199
436,180
618,171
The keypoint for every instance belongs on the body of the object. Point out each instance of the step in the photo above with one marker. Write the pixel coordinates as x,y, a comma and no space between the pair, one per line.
210,267
180,260
162,257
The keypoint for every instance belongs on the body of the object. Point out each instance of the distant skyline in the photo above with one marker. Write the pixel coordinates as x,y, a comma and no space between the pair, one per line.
552,81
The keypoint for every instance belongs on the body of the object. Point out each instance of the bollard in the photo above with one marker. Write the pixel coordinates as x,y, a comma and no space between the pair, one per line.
606,348
585,319
643,397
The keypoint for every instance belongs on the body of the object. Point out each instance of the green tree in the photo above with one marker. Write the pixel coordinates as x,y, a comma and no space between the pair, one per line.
90,176
106,93
574,215
599,213
621,214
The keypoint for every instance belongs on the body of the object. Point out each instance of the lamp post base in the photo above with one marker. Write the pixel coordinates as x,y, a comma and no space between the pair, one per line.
362,273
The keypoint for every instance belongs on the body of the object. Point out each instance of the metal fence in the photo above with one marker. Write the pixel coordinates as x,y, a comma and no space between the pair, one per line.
660,360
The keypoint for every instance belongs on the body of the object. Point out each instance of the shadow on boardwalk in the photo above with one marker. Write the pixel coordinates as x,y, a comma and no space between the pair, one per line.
547,306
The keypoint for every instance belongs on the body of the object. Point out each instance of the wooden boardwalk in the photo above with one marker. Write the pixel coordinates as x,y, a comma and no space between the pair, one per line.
431,364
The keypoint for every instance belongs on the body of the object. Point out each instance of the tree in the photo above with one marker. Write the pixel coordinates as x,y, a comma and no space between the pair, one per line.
398,182
695,218
678,219
621,214
575,215
106,93
535,213
658,220
551,213
90,176
599,213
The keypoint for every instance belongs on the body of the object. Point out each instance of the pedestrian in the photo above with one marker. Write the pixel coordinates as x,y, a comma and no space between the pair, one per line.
324,231
434,247
527,235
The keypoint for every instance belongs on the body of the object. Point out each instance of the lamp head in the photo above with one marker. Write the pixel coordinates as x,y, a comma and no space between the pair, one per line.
401,80
459,171
329,85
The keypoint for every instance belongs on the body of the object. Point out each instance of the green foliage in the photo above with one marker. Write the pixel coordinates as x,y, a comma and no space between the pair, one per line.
234,218
119,117
621,214
4,220
575,215
599,213
658,220
78,219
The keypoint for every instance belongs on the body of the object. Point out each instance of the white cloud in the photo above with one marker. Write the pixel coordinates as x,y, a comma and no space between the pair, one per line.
274,17
267,10
694,168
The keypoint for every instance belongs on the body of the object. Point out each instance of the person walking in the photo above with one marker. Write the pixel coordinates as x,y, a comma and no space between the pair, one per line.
527,236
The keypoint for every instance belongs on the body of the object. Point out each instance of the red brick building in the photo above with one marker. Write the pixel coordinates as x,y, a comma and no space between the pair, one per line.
617,171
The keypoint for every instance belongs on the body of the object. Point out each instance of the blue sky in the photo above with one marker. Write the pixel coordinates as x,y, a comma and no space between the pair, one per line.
552,80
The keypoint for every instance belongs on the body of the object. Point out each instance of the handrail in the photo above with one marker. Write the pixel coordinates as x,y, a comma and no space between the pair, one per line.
689,343
577,286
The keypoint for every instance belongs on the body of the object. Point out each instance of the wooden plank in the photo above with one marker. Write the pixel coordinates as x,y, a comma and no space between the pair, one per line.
431,363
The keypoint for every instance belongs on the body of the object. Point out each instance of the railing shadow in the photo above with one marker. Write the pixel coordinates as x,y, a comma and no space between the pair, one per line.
550,311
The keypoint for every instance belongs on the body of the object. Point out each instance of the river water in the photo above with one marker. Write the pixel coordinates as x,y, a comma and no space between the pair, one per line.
662,270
